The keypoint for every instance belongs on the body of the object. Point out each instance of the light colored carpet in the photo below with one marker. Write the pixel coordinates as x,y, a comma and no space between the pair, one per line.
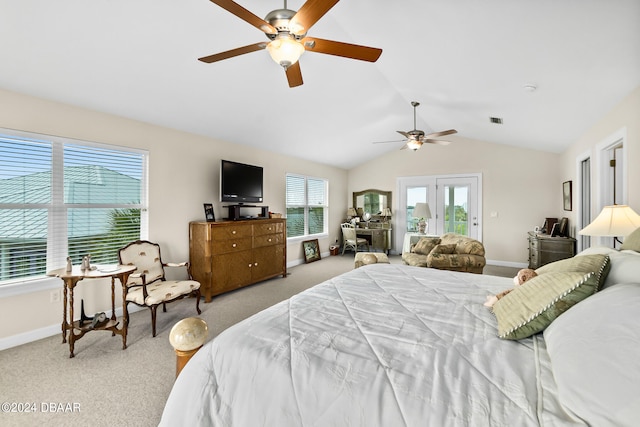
129,388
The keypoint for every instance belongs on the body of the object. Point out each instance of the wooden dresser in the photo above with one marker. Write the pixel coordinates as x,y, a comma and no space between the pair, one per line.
228,255
544,249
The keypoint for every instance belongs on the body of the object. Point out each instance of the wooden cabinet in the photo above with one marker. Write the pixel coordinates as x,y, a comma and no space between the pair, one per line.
228,255
544,249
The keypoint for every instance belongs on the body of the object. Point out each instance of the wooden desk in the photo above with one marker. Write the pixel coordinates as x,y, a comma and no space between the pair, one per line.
379,238
70,280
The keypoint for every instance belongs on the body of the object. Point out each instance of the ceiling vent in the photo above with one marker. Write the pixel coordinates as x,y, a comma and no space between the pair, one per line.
496,120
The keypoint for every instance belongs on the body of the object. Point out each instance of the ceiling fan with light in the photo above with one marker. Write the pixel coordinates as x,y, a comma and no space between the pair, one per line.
416,137
287,30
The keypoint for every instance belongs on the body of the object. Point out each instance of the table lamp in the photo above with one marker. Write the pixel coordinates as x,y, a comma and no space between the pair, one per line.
422,212
613,221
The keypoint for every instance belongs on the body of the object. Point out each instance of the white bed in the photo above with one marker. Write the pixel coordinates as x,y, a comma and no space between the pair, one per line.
394,345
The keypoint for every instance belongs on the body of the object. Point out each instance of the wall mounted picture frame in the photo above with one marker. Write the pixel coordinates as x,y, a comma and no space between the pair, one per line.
566,195
208,212
311,250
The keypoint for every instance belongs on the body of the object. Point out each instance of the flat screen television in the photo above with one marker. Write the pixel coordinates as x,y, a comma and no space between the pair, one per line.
240,183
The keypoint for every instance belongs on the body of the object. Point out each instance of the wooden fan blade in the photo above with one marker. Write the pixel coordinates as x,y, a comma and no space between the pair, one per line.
443,133
346,50
405,134
437,141
244,14
233,52
294,75
310,13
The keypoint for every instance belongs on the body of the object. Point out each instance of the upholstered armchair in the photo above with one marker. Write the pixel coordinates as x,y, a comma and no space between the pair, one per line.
147,286
448,252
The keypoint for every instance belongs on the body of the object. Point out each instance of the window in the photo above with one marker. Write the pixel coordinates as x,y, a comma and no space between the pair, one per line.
60,197
307,204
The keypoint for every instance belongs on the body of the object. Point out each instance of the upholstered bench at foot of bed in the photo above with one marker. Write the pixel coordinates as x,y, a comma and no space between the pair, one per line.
365,258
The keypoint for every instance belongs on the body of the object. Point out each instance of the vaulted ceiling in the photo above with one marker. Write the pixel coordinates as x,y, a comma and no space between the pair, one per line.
464,61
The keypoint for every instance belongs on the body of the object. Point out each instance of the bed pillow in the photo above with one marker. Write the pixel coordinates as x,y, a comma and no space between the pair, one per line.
625,265
632,241
425,245
597,263
531,307
594,350
444,249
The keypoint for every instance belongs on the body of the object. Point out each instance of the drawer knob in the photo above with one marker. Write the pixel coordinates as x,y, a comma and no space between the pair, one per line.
269,239
233,232
234,245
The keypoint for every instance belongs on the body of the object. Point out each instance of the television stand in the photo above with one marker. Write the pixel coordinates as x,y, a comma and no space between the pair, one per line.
234,212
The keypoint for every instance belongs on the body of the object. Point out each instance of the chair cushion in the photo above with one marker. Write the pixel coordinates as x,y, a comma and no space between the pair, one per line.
162,291
146,257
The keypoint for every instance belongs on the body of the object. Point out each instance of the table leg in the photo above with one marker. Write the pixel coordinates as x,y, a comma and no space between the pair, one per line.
124,277
64,312
72,335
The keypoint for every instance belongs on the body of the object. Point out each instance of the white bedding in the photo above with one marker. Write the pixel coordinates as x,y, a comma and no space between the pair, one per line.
382,345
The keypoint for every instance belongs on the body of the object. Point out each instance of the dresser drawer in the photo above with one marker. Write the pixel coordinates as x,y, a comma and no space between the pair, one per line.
268,228
231,232
267,240
231,245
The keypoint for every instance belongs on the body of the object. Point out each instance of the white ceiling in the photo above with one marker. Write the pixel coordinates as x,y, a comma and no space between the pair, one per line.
464,60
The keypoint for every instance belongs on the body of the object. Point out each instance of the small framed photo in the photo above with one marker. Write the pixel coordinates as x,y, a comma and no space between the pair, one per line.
311,250
208,212
555,231
564,225
566,195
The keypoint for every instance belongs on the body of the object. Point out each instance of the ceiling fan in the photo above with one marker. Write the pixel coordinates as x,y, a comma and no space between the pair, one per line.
287,30
416,137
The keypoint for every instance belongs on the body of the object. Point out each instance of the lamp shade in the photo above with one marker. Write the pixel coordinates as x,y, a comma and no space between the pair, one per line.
613,221
351,212
421,210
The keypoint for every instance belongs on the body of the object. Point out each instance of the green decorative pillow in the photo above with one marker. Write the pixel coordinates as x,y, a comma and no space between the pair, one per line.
444,249
530,308
632,241
596,263
425,245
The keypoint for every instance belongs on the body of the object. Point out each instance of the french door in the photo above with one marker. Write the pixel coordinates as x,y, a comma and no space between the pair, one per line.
454,202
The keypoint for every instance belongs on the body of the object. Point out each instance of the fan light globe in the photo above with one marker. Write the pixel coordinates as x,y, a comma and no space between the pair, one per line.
414,144
285,51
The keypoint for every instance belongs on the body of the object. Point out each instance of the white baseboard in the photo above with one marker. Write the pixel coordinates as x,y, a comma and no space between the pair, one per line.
507,263
48,331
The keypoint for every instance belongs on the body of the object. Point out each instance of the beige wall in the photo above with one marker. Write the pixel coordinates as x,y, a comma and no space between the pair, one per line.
626,115
522,186
183,172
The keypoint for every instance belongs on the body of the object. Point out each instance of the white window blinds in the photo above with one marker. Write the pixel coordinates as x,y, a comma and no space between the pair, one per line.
306,205
62,198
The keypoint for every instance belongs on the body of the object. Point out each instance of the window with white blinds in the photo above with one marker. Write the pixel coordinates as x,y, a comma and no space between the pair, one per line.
307,204
61,197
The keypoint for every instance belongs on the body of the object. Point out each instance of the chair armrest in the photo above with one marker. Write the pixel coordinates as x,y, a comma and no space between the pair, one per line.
180,264
177,264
